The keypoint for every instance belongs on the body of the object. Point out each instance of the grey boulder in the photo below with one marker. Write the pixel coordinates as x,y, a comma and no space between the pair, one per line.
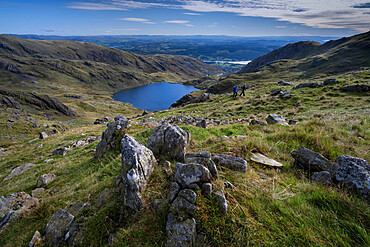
221,200
186,174
137,164
310,160
18,171
57,227
203,158
274,119
45,180
180,233
231,162
323,177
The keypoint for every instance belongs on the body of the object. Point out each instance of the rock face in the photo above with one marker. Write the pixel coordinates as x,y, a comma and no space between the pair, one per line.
111,137
57,227
231,162
353,172
310,160
187,174
323,177
189,99
274,119
170,141
19,170
137,164
203,158
45,180
15,206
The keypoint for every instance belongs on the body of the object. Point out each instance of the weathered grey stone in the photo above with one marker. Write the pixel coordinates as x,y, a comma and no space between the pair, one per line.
182,208
259,122
43,135
194,187
61,151
57,227
137,164
260,158
36,240
166,167
180,233
203,158
48,160
207,189
170,141
18,171
189,195
174,190
36,192
111,137
353,172
329,82
187,174
76,208
356,89
285,83
310,160
221,199
323,177
292,122
307,84
45,180
274,119
102,120
202,124
231,162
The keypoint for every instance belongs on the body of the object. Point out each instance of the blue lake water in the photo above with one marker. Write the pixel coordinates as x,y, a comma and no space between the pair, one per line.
155,96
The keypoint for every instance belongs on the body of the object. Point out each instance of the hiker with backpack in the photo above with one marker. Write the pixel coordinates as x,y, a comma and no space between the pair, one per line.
235,90
244,87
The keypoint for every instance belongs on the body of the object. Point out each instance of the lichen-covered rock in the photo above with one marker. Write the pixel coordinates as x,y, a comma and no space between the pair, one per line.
231,162
207,189
174,190
36,240
18,171
186,174
221,200
57,227
137,164
203,158
189,195
43,135
323,177
170,141
61,151
353,172
274,119
310,160
111,137
182,208
180,233
45,180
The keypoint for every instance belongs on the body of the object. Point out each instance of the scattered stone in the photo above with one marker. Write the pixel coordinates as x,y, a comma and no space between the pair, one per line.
310,160
18,171
111,137
61,151
207,189
356,89
36,240
189,195
170,141
76,208
36,192
145,113
102,120
274,119
353,172
137,164
166,167
231,162
276,92
174,190
194,187
285,83
91,139
328,82
323,177
48,160
307,84
180,233
187,174
255,122
202,124
45,180
221,199
260,158
182,208
225,137
292,122
57,227
2,151
203,158
40,157
43,135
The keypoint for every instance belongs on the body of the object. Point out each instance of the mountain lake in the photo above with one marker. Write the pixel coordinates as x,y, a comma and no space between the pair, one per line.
153,97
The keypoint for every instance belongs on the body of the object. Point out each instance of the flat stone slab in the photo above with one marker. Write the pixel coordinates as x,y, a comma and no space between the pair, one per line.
260,158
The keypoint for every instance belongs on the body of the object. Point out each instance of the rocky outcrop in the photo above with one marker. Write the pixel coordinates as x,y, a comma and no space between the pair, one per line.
102,120
230,162
285,83
307,84
137,164
45,180
310,160
276,119
353,172
19,170
189,99
356,89
111,137
14,207
169,141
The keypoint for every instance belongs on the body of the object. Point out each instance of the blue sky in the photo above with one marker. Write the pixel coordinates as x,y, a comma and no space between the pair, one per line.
186,17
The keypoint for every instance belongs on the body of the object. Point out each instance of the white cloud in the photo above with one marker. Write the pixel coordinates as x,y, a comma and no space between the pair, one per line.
280,26
149,22
313,13
125,29
177,21
134,19
188,13
93,6
189,25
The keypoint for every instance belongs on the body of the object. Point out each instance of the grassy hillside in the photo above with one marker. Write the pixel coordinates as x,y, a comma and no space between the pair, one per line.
94,66
268,207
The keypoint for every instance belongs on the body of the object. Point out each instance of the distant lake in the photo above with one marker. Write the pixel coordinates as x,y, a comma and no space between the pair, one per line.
155,96
230,62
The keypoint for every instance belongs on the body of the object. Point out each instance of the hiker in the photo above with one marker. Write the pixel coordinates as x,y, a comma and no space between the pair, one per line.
235,90
244,87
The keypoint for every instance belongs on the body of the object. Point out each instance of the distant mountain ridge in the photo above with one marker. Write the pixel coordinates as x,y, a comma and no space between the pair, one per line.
95,65
333,56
